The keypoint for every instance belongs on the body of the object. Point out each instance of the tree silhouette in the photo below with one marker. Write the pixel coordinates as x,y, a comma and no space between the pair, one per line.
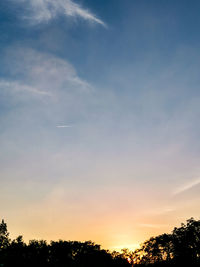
186,242
180,248
4,242
4,235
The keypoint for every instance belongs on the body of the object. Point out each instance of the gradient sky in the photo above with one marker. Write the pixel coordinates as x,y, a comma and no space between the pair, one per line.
99,118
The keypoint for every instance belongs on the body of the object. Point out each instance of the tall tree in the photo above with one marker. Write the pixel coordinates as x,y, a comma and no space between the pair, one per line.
4,235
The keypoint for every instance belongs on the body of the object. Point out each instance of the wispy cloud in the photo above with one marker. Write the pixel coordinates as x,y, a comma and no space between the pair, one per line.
40,82
187,186
20,87
148,225
46,10
160,211
42,74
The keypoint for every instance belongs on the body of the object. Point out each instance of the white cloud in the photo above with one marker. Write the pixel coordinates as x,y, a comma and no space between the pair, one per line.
187,186
45,10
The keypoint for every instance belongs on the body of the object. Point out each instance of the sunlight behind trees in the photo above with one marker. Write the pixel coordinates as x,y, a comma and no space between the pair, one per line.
180,248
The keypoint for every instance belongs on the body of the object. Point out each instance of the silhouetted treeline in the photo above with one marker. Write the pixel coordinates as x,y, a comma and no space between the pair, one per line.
180,248
56,254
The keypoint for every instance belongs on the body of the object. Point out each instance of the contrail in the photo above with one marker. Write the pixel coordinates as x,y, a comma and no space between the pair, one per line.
187,187
63,126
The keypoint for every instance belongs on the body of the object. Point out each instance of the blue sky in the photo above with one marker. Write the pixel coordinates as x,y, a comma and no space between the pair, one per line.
99,114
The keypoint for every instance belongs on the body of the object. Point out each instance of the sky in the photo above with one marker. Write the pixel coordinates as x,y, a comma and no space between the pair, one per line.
99,118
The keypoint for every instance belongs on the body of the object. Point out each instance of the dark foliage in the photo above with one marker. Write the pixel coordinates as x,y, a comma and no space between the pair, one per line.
180,248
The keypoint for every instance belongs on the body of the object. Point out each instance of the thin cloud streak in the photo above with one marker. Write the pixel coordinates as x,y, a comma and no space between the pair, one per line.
186,187
147,225
160,211
17,87
64,126
46,10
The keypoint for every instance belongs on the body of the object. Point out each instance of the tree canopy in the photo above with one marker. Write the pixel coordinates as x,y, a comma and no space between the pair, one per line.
179,248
